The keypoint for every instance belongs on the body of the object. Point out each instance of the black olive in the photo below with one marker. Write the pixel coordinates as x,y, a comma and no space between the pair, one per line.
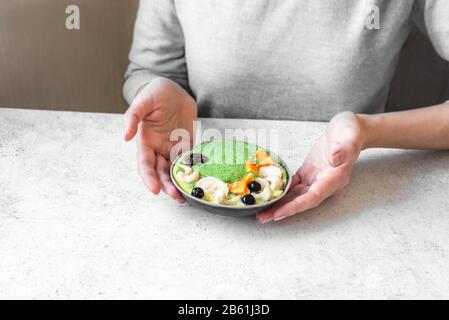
254,186
198,193
195,158
249,200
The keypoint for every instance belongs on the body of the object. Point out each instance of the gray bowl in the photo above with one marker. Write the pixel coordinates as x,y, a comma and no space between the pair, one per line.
230,211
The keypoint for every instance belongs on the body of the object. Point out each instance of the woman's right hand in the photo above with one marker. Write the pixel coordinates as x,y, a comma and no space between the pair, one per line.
159,108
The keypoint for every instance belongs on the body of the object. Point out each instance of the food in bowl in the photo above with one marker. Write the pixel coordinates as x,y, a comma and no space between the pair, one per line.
230,173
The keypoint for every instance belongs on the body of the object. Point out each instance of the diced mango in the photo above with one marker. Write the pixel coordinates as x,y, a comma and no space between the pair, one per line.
261,155
248,178
252,167
267,162
241,187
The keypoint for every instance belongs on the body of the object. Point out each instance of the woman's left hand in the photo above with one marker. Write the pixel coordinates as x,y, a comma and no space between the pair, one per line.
326,170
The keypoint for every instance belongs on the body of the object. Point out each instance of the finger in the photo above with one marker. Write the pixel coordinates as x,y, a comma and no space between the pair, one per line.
315,195
266,216
296,179
342,137
300,204
342,152
163,168
307,172
147,168
140,107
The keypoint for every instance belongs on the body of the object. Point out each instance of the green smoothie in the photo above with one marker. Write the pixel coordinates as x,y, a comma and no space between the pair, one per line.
225,159
230,172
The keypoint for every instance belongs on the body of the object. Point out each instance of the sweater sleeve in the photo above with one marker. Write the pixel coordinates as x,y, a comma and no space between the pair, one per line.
157,49
432,17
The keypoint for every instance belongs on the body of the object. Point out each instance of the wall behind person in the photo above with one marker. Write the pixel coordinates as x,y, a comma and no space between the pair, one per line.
44,65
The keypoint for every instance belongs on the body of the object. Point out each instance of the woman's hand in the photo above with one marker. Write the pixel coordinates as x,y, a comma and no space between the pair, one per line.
159,108
326,170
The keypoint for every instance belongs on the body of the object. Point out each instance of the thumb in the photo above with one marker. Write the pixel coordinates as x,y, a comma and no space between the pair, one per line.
341,152
140,107
344,139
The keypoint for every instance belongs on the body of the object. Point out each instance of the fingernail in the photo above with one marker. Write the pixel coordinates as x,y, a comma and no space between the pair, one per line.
266,221
338,160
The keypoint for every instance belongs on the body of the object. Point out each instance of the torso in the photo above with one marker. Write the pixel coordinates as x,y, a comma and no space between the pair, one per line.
291,59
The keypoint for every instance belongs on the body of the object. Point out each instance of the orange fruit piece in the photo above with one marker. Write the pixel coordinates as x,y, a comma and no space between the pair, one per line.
261,155
267,162
241,187
252,167
248,178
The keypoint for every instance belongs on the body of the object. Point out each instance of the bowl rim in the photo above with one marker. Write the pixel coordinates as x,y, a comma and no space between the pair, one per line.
223,206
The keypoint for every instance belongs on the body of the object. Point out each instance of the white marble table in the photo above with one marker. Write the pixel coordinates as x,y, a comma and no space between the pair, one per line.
76,222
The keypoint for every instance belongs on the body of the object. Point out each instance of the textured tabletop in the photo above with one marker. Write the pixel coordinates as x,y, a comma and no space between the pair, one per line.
76,222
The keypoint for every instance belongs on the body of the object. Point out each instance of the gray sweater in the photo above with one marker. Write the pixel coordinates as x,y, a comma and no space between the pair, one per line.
279,59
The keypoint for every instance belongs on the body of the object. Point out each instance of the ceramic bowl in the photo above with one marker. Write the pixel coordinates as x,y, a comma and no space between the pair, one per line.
226,210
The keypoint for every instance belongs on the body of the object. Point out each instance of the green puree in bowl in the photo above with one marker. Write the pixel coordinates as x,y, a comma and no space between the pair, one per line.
226,159
226,173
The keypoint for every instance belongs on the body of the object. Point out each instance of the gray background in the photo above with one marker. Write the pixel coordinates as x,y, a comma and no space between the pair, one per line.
45,66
